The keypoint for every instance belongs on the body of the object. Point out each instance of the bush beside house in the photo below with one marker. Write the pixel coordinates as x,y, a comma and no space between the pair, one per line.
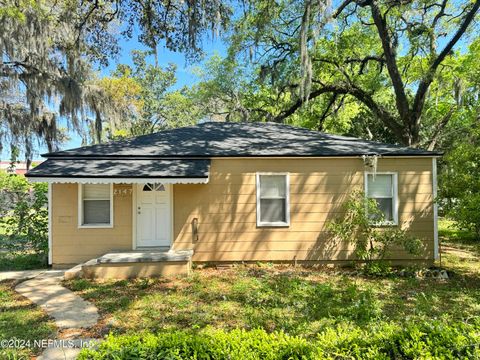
24,222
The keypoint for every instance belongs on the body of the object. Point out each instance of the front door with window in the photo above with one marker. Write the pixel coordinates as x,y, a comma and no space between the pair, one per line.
153,215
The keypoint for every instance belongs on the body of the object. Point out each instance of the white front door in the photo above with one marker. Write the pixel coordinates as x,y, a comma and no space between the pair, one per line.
153,215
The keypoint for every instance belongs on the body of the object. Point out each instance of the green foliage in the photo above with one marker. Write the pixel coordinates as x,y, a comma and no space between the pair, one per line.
359,86
146,93
238,344
20,260
11,185
50,48
372,243
24,214
460,182
416,340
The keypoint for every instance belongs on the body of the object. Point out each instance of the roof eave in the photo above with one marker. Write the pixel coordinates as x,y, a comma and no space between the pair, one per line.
116,180
210,156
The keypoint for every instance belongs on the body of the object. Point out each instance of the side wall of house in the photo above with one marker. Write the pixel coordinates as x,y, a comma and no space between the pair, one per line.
73,245
226,208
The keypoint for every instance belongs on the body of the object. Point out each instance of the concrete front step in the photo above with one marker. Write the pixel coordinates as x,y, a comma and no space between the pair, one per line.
145,256
132,264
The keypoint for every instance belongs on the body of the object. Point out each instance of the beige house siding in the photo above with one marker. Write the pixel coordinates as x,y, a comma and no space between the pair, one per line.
226,212
73,245
226,208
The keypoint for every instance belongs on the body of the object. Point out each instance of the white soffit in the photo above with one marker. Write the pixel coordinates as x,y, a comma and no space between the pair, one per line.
79,180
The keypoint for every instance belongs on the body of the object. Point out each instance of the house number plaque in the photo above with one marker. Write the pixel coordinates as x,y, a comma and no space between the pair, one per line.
122,192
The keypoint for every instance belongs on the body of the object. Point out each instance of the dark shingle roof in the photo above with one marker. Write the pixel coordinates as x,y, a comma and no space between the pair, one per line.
121,168
228,139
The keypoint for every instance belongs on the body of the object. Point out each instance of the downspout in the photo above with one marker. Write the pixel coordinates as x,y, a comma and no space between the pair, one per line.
436,246
50,223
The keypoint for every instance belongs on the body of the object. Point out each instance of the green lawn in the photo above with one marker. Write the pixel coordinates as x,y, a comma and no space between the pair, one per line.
20,319
298,301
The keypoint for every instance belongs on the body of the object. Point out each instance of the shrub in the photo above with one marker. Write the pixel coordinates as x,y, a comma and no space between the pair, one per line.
210,344
24,214
371,242
427,340
12,189
382,341
460,182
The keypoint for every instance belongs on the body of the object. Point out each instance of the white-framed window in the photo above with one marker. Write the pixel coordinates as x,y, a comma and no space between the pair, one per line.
95,205
383,188
273,199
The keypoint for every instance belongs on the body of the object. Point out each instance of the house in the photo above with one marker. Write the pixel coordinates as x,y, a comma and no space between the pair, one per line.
228,192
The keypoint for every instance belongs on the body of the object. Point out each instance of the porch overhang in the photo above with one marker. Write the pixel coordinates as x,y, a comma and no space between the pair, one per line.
121,171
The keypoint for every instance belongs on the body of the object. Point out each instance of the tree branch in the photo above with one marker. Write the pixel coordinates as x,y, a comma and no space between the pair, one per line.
428,78
363,62
358,93
331,102
391,62
439,128
341,8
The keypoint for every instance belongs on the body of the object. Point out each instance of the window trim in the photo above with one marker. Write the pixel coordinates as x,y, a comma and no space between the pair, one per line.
394,197
81,225
287,200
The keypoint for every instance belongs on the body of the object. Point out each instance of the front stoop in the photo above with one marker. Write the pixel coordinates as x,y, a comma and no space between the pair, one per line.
134,264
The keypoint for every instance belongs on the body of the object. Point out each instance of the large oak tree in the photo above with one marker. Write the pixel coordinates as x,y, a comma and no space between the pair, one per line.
384,55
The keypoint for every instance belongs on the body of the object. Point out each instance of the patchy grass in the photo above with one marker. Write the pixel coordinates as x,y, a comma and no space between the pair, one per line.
298,301
460,251
21,261
449,232
20,319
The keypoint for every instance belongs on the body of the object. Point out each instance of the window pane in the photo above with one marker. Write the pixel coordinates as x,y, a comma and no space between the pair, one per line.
272,210
96,212
380,186
272,186
386,207
147,187
96,191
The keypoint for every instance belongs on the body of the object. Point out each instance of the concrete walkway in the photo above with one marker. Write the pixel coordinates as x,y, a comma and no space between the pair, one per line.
20,275
59,353
67,309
